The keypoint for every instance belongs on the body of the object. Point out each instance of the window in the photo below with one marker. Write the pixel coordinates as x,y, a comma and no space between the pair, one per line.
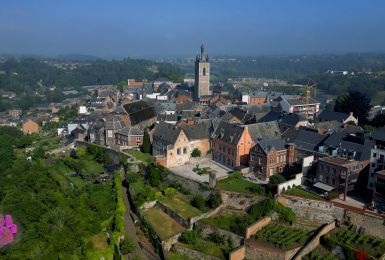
184,150
204,71
334,171
109,133
271,171
322,167
178,151
374,155
333,182
138,138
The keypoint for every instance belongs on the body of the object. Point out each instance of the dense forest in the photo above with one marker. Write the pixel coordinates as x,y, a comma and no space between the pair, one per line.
28,74
58,213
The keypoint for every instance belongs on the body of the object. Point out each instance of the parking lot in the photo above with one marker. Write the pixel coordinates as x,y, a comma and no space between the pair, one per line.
187,171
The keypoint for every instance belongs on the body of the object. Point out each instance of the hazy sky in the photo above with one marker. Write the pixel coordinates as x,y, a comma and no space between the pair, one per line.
176,28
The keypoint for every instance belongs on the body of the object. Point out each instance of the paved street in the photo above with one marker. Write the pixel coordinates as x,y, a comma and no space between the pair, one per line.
187,171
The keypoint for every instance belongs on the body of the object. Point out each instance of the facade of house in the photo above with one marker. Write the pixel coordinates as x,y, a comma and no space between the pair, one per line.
255,98
129,137
379,190
172,145
30,127
268,157
377,157
298,105
231,145
341,174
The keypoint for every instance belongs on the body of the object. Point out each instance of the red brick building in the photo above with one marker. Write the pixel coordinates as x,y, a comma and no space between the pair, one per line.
129,136
268,157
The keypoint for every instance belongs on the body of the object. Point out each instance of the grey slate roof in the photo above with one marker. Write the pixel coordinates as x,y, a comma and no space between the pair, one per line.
127,131
196,132
166,132
114,123
262,131
270,116
291,119
139,111
308,140
277,143
229,133
332,116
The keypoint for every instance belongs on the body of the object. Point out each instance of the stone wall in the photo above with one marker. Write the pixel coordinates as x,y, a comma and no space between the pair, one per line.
193,186
206,230
148,205
326,212
205,215
168,243
317,211
257,251
238,253
239,200
314,242
290,183
256,226
192,253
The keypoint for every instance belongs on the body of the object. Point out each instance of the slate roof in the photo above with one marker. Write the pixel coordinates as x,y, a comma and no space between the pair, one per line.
270,116
332,116
229,133
359,144
291,119
189,105
139,111
267,145
196,132
379,135
128,131
114,123
308,140
263,131
166,132
167,117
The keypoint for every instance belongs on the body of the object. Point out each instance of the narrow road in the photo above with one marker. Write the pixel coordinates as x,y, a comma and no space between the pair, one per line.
130,225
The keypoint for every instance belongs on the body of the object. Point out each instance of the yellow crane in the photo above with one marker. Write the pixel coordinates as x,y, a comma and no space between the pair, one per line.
310,84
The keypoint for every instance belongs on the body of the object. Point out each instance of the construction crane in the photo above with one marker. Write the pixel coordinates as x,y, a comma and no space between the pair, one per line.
310,84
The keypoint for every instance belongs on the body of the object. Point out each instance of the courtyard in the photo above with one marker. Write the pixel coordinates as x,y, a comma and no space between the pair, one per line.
187,170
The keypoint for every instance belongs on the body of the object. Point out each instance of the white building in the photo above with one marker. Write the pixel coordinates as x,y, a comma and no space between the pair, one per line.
297,105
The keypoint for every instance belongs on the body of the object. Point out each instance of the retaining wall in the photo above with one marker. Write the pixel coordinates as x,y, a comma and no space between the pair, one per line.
314,242
192,253
206,230
256,226
257,251
290,183
240,200
238,254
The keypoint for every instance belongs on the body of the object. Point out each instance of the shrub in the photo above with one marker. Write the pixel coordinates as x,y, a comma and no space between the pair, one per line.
196,153
132,177
235,176
332,195
216,238
189,237
158,195
214,200
169,191
198,201
126,246
256,188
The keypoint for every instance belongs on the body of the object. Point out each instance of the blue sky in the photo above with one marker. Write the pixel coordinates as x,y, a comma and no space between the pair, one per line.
176,28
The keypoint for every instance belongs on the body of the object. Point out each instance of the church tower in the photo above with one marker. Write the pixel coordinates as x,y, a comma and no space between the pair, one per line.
202,75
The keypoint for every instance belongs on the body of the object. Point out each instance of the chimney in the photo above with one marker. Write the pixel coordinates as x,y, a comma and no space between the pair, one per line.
350,113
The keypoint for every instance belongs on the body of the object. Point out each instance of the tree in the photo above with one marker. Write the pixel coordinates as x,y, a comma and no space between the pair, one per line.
169,191
126,246
276,179
355,102
81,152
38,153
146,142
378,120
196,153
198,201
214,200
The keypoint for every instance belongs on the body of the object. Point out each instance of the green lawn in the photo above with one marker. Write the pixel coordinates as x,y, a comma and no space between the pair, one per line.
320,253
92,166
237,185
223,222
282,236
179,205
144,157
163,224
303,193
207,247
100,247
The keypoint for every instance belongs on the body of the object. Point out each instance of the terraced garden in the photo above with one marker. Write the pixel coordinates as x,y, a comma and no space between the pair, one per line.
351,241
164,226
180,206
282,236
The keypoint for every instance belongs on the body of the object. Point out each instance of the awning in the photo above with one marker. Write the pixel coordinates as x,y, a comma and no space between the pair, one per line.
323,186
